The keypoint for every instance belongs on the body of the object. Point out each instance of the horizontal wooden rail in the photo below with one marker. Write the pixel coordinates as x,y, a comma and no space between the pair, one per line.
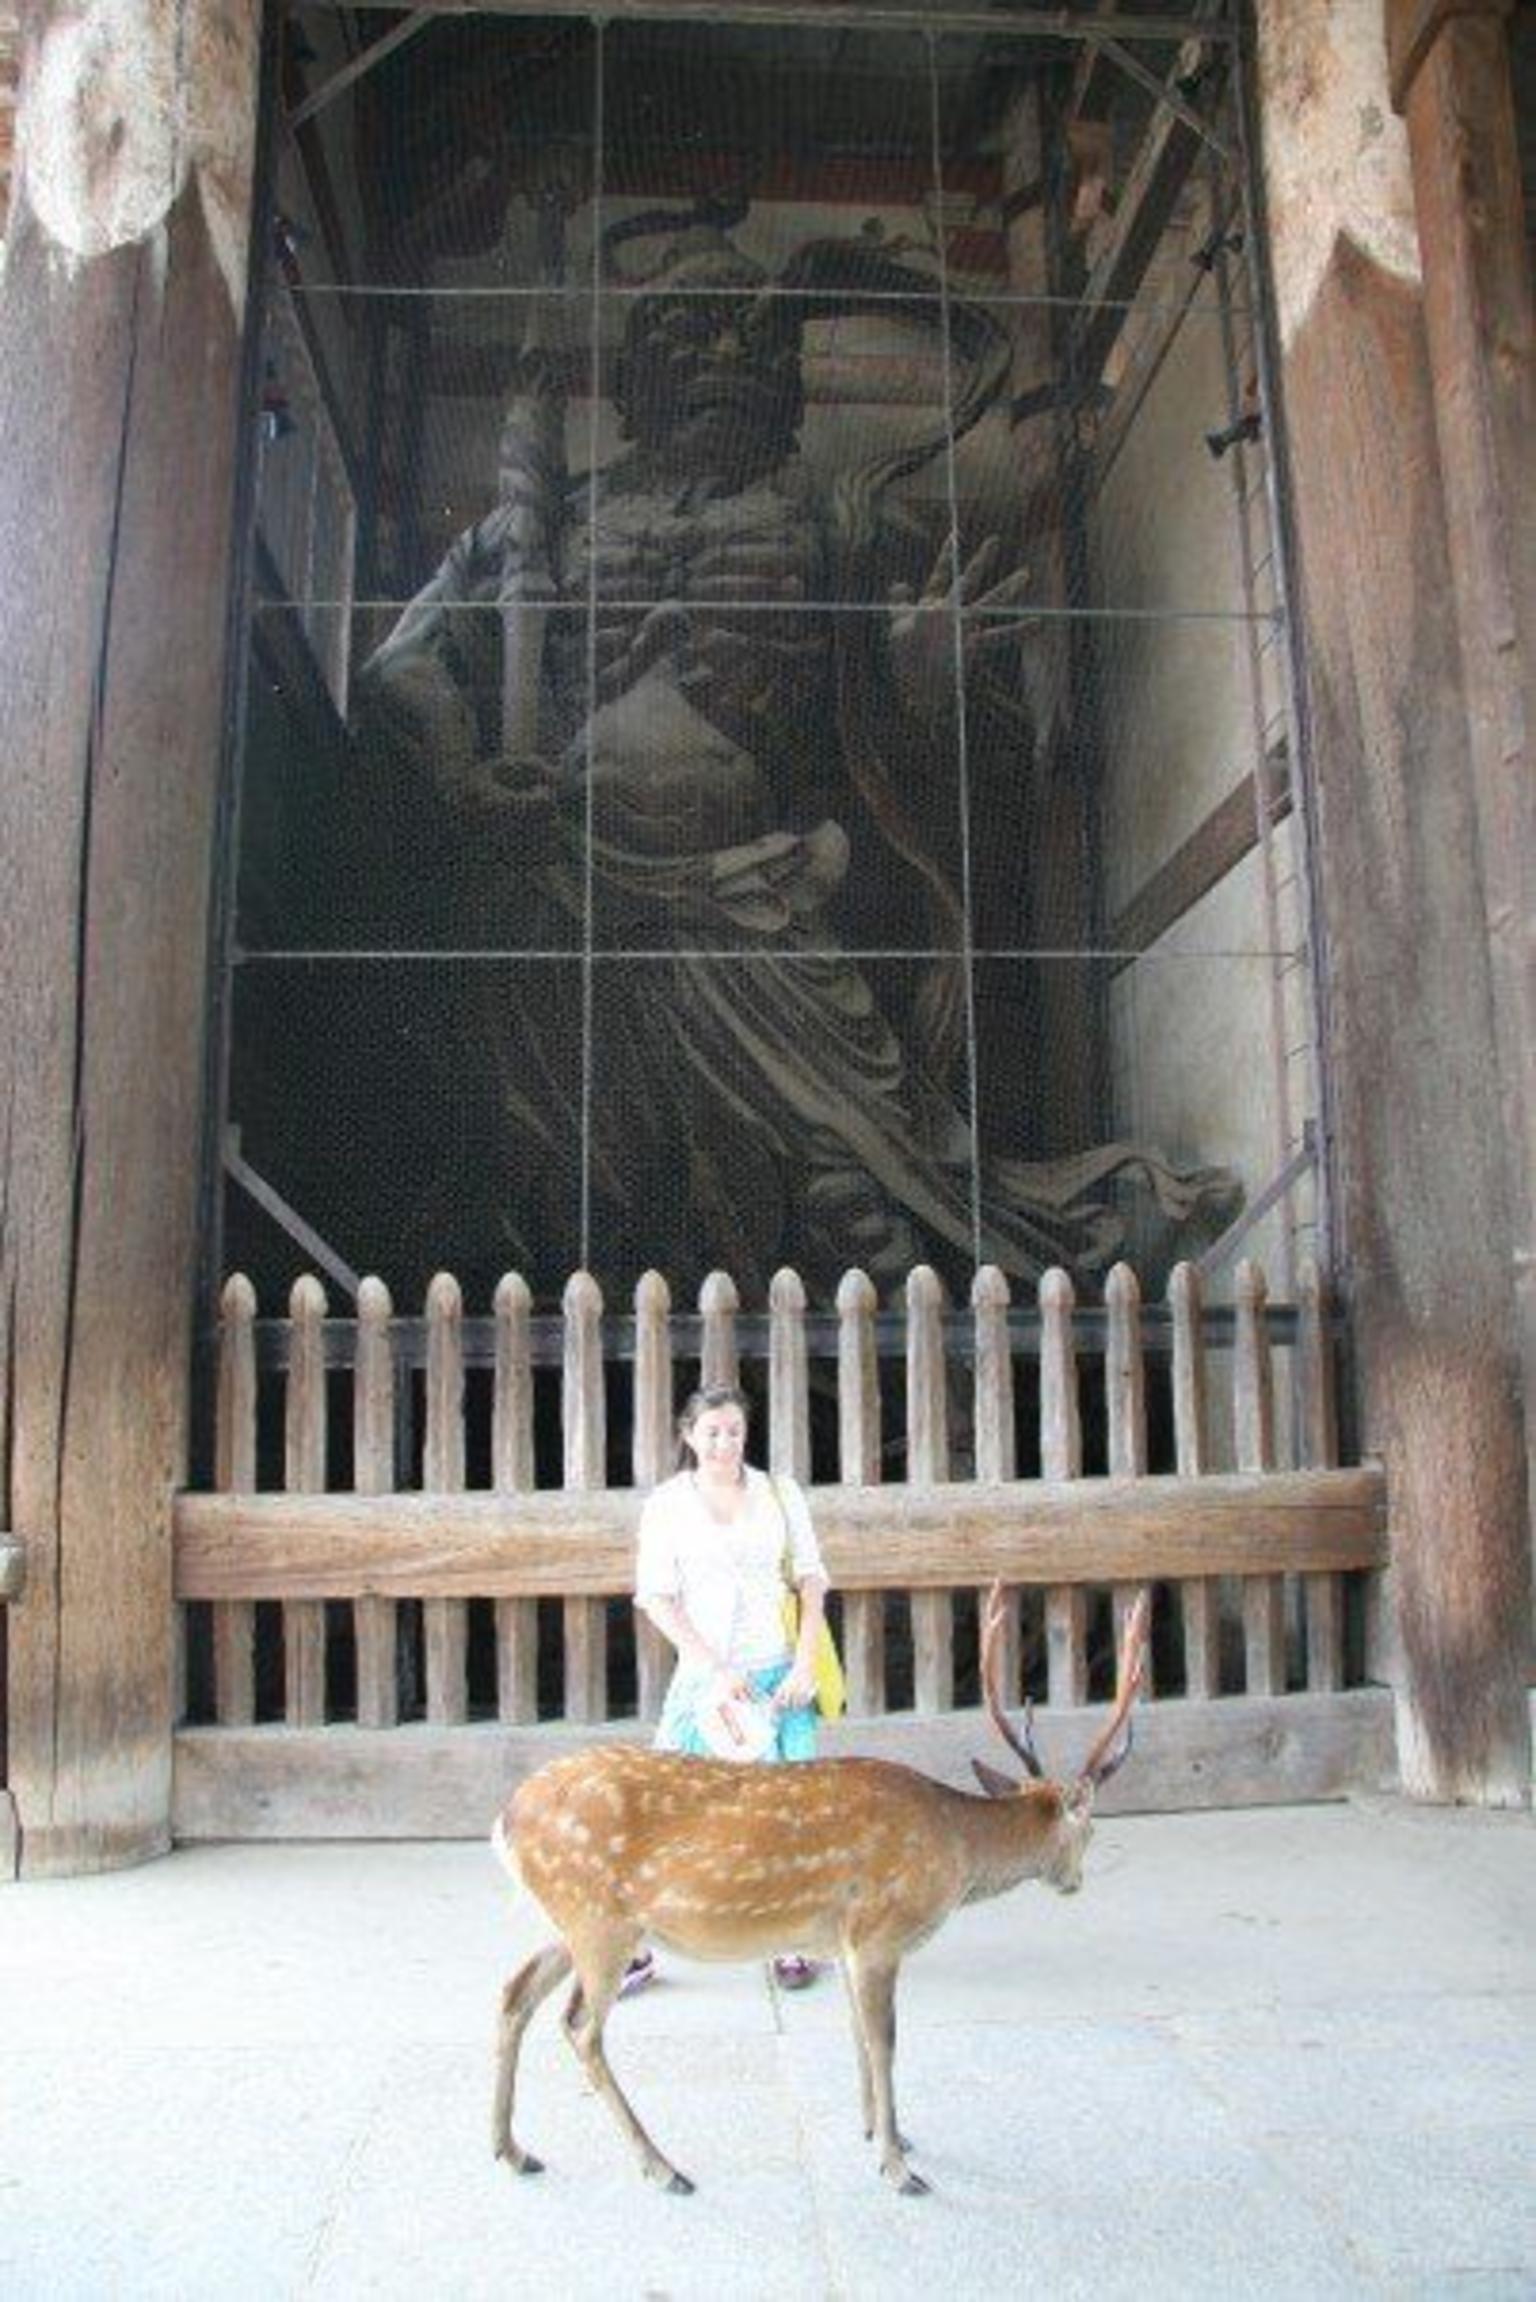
564,1543
446,1782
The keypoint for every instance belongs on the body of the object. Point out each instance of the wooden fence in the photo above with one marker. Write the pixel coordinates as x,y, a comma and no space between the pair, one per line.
375,1659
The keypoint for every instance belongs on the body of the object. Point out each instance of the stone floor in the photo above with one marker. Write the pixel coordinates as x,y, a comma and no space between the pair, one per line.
1282,2053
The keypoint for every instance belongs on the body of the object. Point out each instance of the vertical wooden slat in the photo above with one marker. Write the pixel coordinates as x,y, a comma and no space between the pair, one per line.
858,1465
718,1305
1318,1436
584,1414
652,1461
996,1443
445,1622
1253,1415
1125,1393
933,1612
789,1384
304,1474
373,1473
512,1473
1061,1457
234,1473
1201,1598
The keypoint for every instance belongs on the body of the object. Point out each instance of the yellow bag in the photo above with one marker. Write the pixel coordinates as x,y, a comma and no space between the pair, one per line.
831,1686
827,1664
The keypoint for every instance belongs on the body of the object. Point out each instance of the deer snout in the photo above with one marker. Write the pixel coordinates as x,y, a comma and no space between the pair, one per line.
1064,1871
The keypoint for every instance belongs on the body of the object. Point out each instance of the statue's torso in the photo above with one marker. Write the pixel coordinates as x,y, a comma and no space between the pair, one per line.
708,655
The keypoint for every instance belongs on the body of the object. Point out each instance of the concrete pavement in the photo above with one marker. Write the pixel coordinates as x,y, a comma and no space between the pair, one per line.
1281,2053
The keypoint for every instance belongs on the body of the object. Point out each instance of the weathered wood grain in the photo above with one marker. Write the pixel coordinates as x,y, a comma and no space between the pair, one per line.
445,1624
1423,1201
119,399
1199,1601
858,1456
1087,1531
304,1467
373,1473
584,1413
650,1462
1061,1457
234,1472
512,1473
421,1782
933,1610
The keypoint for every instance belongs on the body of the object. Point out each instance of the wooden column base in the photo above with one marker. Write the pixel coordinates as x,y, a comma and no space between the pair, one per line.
74,1850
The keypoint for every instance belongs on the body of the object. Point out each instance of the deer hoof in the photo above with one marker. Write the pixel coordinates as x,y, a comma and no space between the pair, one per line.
913,2186
679,2185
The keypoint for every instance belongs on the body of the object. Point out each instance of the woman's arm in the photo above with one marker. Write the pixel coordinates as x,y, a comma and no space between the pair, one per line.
671,1619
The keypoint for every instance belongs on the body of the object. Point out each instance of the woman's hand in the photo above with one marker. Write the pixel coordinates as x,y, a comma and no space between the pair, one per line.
796,1691
733,1685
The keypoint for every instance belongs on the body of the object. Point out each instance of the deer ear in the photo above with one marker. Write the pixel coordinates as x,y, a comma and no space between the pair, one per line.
994,1784
1079,1801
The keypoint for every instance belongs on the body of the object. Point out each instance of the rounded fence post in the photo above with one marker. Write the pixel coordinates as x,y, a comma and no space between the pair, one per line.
651,1462
858,1465
1318,1421
933,1612
513,1473
445,1622
1061,1457
1200,1599
584,1408
1253,1420
1125,1391
789,1385
996,1444
304,1464
375,1620
234,1473
719,1364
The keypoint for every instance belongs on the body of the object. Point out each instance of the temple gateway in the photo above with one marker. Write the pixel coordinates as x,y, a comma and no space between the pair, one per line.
837,696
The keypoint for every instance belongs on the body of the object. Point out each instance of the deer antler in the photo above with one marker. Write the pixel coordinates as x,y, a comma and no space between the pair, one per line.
1022,1745
1105,1756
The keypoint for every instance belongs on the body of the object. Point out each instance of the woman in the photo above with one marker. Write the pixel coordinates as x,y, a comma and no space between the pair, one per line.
719,1544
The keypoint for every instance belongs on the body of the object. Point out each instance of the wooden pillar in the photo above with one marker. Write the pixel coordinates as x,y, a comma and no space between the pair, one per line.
120,324
1051,801
1424,1190
1451,81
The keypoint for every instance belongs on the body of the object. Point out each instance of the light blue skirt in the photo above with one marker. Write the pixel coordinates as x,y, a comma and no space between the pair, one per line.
794,1731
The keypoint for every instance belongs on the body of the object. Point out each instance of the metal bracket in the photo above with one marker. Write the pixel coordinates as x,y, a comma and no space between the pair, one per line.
271,1202
350,73
1222,1250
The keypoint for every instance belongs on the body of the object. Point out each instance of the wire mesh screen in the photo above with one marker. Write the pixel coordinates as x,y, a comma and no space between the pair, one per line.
777,749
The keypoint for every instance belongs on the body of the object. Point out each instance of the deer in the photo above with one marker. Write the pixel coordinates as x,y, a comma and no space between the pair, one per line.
858,1860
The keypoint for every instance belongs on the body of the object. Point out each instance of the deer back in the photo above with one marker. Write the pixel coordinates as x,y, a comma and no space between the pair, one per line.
721,1861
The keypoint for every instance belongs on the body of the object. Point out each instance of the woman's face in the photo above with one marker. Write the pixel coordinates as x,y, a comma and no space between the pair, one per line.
718,1437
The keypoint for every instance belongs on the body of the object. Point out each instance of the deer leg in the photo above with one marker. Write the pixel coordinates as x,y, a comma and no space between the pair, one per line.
866,2078
873,1991
520,2001
584,2018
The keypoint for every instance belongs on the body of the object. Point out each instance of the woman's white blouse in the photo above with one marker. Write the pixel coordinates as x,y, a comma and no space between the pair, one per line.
729,1580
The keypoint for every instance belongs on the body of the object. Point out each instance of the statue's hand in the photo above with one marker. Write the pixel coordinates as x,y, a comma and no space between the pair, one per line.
505,797
922,637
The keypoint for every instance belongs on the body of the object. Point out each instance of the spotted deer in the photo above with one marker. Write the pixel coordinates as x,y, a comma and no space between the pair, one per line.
853,1859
